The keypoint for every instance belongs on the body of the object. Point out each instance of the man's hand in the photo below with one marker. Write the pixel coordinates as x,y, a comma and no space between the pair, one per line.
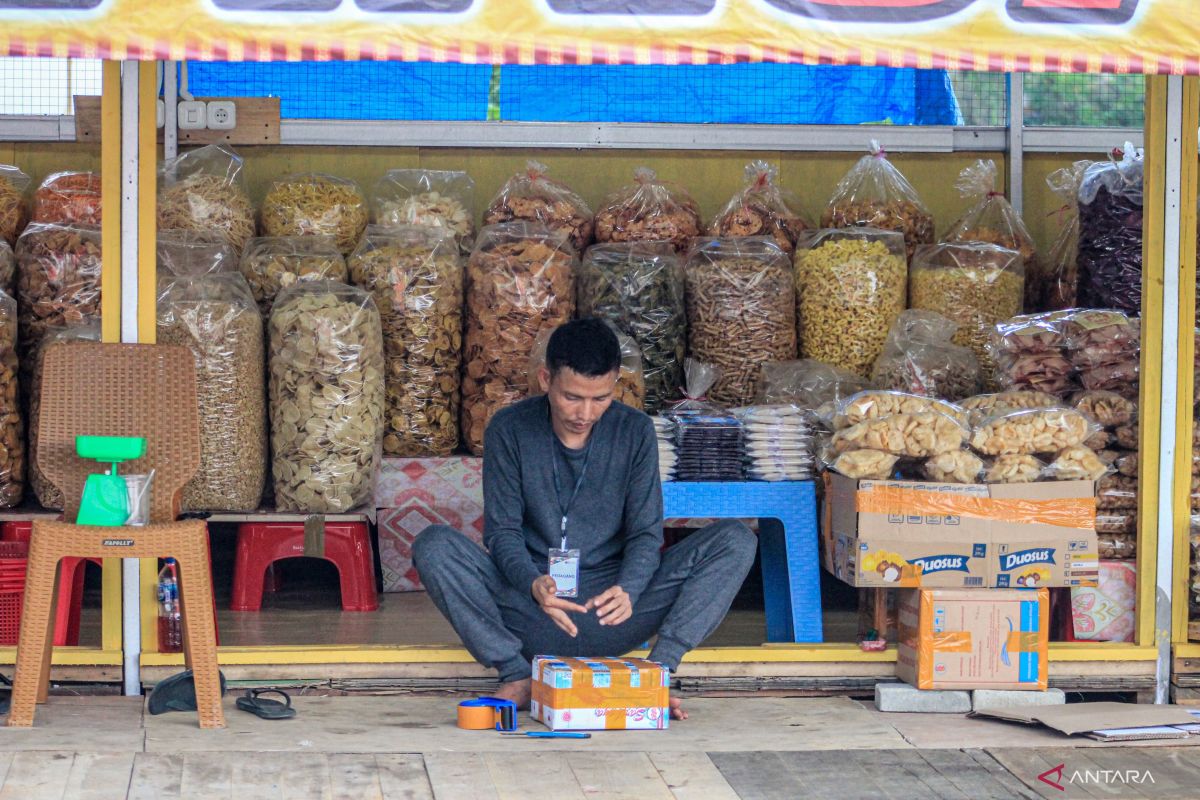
543,590
612,606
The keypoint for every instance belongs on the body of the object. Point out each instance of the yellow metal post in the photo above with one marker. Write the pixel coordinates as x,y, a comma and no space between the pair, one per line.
1150,401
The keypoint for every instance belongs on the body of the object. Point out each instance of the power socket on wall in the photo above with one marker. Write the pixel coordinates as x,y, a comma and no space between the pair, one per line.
221,115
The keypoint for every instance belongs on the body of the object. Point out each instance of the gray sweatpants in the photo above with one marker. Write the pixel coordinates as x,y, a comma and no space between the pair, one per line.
504,628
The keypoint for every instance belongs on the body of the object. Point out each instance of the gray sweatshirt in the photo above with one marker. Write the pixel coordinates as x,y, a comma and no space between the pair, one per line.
615,520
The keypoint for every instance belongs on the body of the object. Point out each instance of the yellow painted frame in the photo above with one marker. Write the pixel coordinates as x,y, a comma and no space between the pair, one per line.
1181,494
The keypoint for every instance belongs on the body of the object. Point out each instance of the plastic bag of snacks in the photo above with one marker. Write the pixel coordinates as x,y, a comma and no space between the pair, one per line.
530,196
68,197
864,464
956,466
13,214
809,384
427,198
911,435
741,311
982,406
879,403
416,277
874,194
919,357
214,316
183,254
649,210
204,190
270,264
8,269
48,496
520,281
1030,353
1104,346
993,220
326,382
1110,233
1080,463
314,204
1014,468
1107,408
761,208
976,285
1062,275
638,287
58,279
1041,430
631,387
12,439
851,287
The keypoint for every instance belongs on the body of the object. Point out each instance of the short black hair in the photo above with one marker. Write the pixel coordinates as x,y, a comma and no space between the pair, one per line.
588,346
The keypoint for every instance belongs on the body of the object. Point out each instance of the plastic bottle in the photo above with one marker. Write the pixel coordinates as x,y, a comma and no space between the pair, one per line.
170,621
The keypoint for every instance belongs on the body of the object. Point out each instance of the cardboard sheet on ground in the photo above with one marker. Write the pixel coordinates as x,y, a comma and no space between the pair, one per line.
1086,718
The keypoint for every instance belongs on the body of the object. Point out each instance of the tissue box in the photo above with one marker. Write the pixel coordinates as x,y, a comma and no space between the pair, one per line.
596,694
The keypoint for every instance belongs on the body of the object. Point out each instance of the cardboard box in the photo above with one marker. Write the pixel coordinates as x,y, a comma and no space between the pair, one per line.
590,694
974,638
889,534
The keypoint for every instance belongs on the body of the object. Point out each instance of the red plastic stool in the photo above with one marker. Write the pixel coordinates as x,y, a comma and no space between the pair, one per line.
347,545
70,585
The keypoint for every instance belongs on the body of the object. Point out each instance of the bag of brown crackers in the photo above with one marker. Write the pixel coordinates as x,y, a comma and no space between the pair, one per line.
532,196
762,208
649,210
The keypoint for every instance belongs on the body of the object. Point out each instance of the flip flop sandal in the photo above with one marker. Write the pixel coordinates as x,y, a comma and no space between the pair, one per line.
176,693
254,702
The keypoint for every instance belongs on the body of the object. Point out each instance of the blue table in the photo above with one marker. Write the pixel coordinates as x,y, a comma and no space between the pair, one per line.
787,537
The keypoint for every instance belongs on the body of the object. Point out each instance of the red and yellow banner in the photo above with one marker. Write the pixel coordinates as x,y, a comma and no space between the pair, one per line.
1135,36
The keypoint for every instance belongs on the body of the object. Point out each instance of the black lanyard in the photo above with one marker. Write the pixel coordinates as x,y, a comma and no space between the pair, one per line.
558,490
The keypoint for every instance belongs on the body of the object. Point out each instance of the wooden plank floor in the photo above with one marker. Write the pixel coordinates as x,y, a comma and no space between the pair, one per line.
865,774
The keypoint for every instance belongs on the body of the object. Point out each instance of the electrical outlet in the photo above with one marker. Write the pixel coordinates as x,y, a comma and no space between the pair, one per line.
193,115
222,115
160,112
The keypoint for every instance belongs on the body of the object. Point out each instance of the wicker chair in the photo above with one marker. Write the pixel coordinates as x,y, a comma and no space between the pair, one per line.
119,390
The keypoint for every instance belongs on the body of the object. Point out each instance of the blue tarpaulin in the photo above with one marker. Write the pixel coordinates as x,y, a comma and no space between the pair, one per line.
737,93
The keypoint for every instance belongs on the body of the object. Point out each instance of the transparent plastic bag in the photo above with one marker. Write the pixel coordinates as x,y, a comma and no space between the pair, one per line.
427,198
327,397
204,190
58,279
12,433
911,435
956,466
215,317
879,403
520,281
531,196
48,495
639,288
976,285
874,194
8,269
315,204
982,406
14,185
1062,277
68,198
272,263
762,208
1115,492
698,380
1096,337
1077,463
631,386
649,210
415,275
809,384
993,220
864,464
1030,353
191,254
740,296
1032,431
1014,468
1116,546
920,358
851,286
1107,408
1110,233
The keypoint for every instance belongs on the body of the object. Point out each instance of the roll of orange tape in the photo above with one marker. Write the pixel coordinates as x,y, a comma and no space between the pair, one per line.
476,718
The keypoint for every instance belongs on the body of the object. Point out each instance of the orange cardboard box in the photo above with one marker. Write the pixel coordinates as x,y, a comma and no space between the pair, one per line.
974,638
588,694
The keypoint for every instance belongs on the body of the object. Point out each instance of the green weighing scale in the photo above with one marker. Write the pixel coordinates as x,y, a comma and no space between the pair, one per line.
105,496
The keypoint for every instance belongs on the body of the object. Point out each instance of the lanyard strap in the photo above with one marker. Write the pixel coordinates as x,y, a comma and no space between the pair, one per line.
558,489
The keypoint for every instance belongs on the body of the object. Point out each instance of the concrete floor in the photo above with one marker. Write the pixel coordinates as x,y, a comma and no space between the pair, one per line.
393,746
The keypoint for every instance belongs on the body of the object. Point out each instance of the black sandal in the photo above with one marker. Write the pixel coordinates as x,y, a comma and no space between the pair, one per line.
254,702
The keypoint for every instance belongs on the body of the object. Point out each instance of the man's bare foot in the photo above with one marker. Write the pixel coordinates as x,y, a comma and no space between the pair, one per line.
677,711
517,691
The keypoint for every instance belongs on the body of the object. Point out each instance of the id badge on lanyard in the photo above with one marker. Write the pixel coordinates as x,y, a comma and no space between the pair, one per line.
564,563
